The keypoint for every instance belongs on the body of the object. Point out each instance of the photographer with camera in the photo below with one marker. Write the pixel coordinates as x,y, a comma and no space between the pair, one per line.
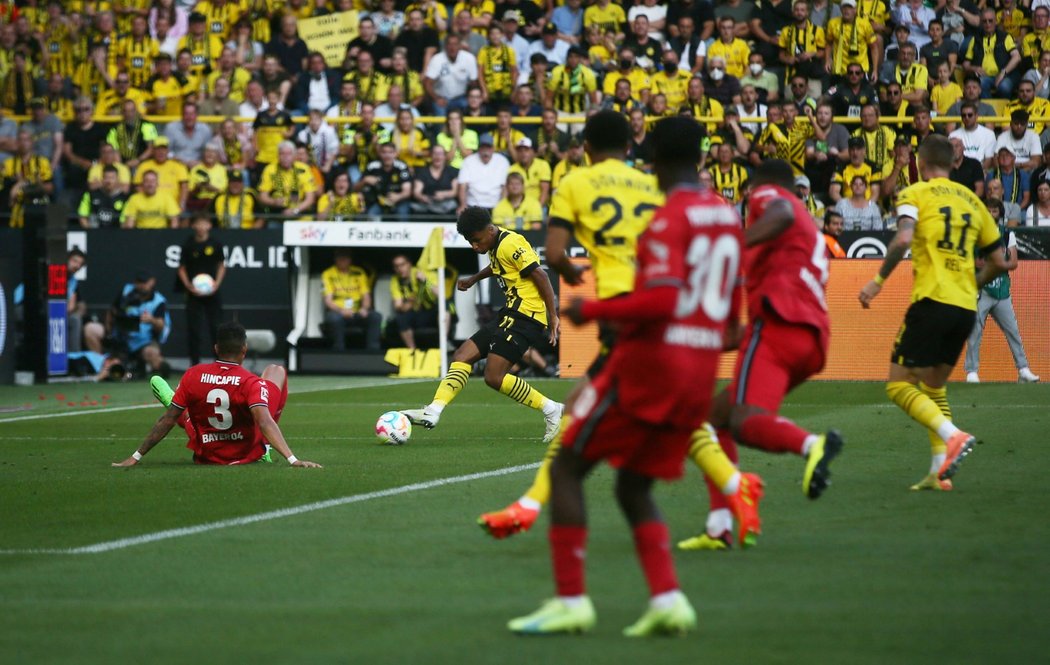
136,325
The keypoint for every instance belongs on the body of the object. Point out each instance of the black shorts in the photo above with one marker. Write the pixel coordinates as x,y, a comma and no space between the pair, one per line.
607,338
509,335
933,333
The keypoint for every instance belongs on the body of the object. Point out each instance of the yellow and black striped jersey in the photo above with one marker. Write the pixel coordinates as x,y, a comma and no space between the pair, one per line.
730,184
61,52
205,52
138,58
849,43
513,261
1039,108
610,18
607,206
124,20
950,223
496,63
477,10
219,16
807,39
410,83
879,144
707,108
571,88
371,87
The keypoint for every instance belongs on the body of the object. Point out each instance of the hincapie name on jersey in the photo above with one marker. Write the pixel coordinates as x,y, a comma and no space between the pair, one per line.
220,379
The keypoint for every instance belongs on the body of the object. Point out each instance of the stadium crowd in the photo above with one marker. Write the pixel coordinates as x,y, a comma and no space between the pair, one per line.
112,96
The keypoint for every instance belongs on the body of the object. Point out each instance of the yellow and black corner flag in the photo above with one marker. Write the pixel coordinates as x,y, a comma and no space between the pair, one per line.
433,256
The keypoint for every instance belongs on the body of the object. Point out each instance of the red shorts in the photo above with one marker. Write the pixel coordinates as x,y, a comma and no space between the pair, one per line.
602,430
253,450
775,357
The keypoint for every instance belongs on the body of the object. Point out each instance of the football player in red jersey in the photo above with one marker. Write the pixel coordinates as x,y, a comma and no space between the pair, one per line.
785,343
641,409
229,414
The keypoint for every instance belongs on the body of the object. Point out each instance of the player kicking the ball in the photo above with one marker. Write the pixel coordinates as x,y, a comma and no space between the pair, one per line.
519,325
942,223
228,413
641,408
785,343
606,206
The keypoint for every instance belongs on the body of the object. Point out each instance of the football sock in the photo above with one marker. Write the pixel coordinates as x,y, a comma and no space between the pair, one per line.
938,451
715,495
652,542
774,433
520,391
454,381
711,459
664,601
920,408
540,490
568,550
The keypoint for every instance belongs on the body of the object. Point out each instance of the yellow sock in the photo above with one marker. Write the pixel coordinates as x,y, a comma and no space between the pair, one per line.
520,391
916,404
940,398
710,457
540,490
454,381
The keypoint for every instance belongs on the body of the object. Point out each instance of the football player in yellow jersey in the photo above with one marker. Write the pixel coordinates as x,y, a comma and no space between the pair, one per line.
943,223
529,313
606,206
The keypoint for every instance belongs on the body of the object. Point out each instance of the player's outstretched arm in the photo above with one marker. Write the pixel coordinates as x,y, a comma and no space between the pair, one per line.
777,218
543,283
155,436
465,283
894,253
272,433
559,237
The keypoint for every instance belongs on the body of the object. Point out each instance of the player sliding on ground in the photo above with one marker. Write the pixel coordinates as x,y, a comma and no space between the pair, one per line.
519,325
228,413
785,343
606,206
942,223
641,408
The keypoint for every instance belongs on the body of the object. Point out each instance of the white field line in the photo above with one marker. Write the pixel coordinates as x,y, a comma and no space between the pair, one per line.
145,539
112,409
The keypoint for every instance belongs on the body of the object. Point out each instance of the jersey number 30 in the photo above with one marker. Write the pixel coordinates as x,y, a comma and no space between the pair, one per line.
712,278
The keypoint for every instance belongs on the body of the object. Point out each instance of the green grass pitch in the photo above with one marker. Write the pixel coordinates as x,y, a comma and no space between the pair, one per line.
870,573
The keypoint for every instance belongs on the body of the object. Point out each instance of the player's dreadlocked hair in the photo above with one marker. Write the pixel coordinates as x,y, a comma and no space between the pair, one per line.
774,172
230,338
472,220
676,142
607,131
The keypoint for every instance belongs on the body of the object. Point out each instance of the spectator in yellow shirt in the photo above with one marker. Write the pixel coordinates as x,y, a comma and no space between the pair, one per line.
172,175
150,208
536,172
347,292
517,210
729,46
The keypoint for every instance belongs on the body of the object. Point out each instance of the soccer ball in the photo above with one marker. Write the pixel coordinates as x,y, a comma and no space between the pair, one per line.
393,428
204,283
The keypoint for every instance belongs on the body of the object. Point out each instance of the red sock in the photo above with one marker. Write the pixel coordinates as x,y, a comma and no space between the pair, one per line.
714,494
568,550
773,433
652,542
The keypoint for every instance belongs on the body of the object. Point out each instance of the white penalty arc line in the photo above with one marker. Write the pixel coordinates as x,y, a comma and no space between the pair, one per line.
145,539
113,409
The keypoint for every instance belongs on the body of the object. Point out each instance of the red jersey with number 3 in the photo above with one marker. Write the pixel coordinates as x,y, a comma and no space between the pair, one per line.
665,370
788,274
218,398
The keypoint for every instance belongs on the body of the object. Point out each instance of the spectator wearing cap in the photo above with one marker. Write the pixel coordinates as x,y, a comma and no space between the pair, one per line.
448,75
568,19
207,179
1035,106
536,172
188,137
517,210
904,170
1015,181
530,17
172,175
150,208
858,165
482,176
235,208
851,40
978,141
573,88
555,50
966,171
205,47
1023,141
137,324
512,20
993,56
812,203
